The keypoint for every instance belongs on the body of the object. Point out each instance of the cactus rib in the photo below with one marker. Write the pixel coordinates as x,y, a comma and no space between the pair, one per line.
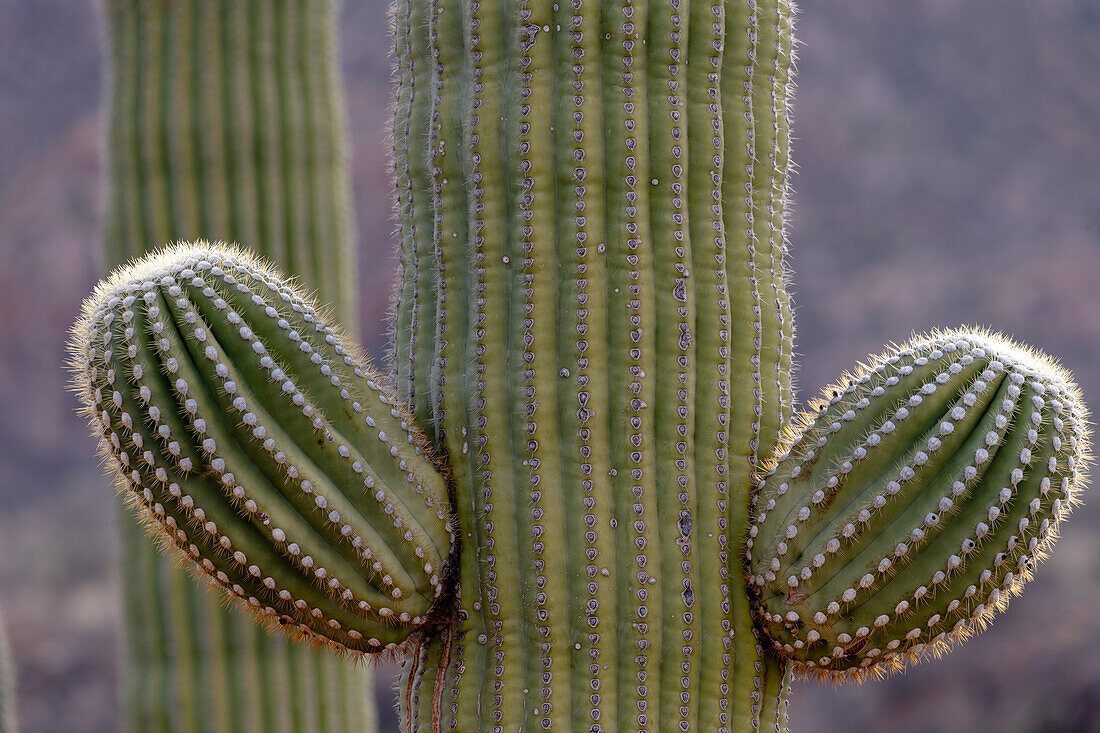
263,447
619,317
915,502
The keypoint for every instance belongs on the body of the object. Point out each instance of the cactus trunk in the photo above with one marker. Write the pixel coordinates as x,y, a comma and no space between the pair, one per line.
593,324
594,334
227,122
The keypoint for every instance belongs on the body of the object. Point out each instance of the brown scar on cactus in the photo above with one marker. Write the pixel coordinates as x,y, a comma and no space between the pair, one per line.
263,446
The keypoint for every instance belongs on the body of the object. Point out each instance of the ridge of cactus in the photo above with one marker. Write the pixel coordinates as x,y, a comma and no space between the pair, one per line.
260,443
915,501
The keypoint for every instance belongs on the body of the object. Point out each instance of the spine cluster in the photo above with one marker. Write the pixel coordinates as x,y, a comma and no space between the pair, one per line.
915,502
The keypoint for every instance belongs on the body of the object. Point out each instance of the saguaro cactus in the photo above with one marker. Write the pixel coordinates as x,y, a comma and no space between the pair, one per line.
226,120
611,354
7,685
593,330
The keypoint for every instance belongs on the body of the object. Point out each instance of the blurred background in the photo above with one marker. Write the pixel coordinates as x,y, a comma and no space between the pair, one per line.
949,172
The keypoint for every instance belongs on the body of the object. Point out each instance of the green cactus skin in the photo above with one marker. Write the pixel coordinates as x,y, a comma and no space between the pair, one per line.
197,664
594,326
227,122
8,723
227,119
266,450
915,502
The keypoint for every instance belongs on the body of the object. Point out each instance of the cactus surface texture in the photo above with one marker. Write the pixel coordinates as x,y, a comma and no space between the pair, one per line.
265,449
594,326
197,664
915,502
8,722
612,520
227,121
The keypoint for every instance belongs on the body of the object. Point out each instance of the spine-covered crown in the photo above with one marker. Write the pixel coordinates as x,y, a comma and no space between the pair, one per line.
263,446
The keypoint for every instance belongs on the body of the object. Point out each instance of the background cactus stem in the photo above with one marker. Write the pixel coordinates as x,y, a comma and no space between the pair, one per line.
264,446
603,256
227,121
8,722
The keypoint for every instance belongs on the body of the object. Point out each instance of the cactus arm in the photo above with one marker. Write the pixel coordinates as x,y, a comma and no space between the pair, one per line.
915,502
148,353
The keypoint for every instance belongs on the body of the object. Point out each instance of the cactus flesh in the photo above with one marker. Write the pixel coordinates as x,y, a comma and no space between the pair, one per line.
263,447
915,502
